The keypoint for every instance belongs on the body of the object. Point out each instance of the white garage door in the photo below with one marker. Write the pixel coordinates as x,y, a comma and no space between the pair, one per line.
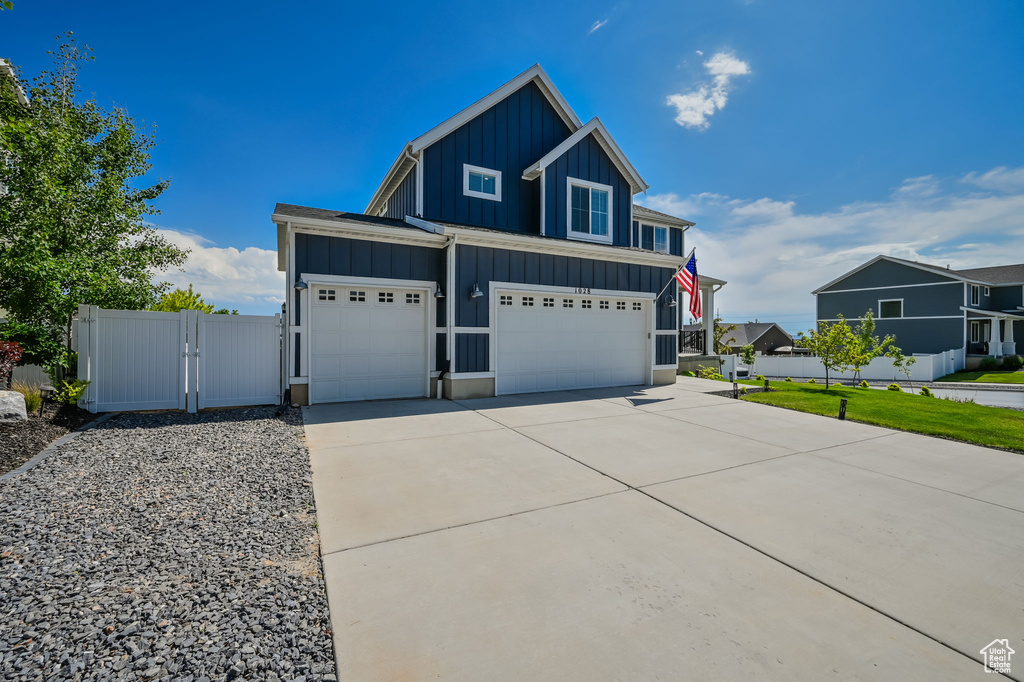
549,342
367,344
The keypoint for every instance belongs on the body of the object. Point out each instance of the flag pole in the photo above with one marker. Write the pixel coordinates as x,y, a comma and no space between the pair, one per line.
672,279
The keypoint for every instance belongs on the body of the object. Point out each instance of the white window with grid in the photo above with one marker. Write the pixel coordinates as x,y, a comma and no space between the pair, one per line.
327,294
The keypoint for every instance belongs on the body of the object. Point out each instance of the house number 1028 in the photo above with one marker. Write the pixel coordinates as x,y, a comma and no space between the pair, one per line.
582,290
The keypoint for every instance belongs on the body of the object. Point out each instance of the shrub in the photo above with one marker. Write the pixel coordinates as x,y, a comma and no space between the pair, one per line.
811,381
33,396
743,390
927,392
709,373
789,378
760,377
10,353
70,392
1013,362
689,374
864,384
988,364
895,387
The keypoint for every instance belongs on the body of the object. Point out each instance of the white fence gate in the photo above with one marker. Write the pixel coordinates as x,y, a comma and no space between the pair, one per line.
143,360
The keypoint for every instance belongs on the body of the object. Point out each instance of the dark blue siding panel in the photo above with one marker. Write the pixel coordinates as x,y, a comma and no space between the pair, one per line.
402,201
298,354
665,349
675,241
440,345
471,353
1007,298
318,254
507,137
923,336
886,274
930,301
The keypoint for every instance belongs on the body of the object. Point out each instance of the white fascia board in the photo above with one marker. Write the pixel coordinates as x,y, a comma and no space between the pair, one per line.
534,73
354,230
993,313
897,261
564,247
604,138
655,219
392,178
424,224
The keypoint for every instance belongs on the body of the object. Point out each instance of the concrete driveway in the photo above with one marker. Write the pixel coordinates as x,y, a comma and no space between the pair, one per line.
659,533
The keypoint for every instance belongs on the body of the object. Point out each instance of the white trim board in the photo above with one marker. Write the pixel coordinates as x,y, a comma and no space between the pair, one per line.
894,286
608,144
468,168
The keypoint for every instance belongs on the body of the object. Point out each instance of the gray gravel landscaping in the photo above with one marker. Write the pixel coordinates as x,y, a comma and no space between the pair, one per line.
166,546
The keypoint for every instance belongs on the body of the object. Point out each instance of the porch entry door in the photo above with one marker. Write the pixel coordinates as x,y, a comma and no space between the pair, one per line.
981,332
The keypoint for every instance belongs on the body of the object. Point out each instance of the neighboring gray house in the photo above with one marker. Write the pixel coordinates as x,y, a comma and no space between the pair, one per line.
931,309
767,338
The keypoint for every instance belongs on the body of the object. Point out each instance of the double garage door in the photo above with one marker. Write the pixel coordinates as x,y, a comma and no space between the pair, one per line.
550,342
367,343
371,343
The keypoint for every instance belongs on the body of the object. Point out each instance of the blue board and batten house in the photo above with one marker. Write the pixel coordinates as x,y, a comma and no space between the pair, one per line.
502,253
931,309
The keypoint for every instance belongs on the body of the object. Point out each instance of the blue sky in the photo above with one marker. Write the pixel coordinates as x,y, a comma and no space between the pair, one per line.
802,137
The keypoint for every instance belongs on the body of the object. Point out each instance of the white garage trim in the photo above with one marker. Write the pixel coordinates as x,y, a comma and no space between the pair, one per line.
429,306
496,288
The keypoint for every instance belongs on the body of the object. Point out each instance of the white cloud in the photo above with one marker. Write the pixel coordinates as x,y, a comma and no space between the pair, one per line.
694,108
700,53
1003,179
596,25
245,279
773,255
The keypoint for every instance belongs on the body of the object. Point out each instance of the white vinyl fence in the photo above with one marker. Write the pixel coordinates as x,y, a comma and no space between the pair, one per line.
144,360
925,368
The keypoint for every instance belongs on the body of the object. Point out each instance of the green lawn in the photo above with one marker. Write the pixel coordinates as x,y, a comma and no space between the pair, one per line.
993,426
987,377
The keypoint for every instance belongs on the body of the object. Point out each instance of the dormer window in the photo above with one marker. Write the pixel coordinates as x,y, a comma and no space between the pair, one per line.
589,211
482,183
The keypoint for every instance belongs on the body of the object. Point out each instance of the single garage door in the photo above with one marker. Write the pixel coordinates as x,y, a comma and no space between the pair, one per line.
367,344
548,342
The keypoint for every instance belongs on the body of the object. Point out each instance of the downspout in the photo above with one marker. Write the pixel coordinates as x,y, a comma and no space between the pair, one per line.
449,317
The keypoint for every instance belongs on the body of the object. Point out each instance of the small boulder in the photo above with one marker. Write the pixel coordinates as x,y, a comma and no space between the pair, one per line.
12,407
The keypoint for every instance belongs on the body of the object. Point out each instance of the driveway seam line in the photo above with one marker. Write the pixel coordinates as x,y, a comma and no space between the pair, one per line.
473,523
907,480
762,552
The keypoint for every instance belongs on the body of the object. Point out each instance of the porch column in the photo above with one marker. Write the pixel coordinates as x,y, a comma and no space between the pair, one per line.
994,347
708,308
1009,347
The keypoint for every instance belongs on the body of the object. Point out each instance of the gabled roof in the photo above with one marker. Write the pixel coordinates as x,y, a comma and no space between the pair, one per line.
640,212
604,138
405,161
749,332
1000,274
997,275
535,73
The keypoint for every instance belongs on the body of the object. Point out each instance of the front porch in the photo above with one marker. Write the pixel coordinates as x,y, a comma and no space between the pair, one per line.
990,333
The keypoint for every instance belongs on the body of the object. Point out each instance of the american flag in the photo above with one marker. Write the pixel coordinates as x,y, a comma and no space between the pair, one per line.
687,278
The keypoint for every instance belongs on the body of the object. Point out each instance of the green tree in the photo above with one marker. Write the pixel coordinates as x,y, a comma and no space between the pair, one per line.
864,346
749,357
180,299
831,343
721,342
72,219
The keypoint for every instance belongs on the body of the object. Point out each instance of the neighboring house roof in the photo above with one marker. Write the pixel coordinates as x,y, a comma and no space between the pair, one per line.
604,138
642,211
1001,274
997,275
405,161
750,332
7,71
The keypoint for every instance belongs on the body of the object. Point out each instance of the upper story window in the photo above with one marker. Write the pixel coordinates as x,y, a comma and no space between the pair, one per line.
975,294
482,183
589,211
654,238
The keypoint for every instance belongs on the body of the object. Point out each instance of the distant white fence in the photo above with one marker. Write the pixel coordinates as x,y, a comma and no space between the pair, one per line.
144,360
925,367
